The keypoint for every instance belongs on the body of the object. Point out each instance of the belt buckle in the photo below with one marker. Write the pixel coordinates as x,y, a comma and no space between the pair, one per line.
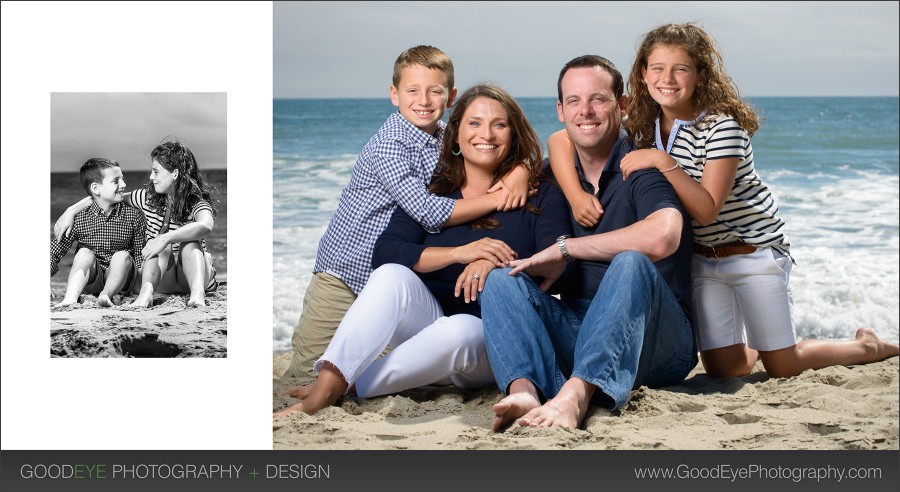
715,252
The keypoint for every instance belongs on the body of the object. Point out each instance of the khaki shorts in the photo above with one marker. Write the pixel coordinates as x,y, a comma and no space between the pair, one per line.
326,301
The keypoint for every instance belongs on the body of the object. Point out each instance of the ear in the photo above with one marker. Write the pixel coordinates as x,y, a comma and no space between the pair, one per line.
451,98
175,175
559,112
395,99
95,188
622,102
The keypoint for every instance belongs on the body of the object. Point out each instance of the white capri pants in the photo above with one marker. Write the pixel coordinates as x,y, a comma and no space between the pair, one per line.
396,308
744,299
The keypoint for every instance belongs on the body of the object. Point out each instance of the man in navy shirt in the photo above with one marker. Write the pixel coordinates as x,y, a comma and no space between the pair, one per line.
624,317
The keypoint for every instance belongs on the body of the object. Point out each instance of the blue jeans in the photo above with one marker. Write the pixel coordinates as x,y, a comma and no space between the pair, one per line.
633,333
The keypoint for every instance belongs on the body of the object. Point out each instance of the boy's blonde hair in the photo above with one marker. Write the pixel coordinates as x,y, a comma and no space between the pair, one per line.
426,56
718,94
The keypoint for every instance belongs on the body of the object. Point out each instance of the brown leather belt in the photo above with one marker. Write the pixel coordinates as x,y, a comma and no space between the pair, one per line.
724,250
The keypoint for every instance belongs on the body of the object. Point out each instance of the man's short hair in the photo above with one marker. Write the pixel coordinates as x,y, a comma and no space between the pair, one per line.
92,171
591,61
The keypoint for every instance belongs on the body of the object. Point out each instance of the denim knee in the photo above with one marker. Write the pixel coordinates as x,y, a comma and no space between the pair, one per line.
631,260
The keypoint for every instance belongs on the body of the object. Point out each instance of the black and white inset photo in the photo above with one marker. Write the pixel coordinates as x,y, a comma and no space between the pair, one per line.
138,224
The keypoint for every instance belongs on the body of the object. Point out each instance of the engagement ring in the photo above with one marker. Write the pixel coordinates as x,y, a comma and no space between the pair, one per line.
476,277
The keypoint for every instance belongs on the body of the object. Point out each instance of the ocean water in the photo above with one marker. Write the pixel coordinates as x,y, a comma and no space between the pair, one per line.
65,189
832,162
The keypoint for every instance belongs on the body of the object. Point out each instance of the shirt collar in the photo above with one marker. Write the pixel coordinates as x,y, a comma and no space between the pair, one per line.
96,210
417,135
621,147
678,124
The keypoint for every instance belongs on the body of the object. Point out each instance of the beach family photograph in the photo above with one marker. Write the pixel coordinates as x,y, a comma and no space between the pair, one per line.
138,225
766,314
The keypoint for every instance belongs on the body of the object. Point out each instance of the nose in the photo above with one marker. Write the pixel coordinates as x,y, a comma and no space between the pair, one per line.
423,98
587,109
487,132
668,75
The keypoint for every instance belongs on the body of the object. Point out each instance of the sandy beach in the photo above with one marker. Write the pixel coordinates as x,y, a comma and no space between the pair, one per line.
833,408
167,329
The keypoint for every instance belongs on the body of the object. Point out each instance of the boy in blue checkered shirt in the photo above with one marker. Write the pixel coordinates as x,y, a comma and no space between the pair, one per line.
393,169
110,238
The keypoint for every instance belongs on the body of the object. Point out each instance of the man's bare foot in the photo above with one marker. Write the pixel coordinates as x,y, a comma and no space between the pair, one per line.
567,409
880,349
103,300
522,398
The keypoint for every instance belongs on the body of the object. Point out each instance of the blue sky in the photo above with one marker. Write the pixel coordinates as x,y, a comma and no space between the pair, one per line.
347,49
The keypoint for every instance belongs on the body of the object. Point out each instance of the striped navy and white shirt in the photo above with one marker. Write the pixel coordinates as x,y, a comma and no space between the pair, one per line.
105,235
394,168
750,213
139,199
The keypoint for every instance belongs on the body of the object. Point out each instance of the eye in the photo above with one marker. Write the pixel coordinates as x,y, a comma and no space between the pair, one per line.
500,125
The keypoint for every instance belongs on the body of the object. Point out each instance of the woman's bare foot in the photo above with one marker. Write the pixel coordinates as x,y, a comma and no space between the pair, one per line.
299,392
103,300
522,398
567,409
879,348
326,391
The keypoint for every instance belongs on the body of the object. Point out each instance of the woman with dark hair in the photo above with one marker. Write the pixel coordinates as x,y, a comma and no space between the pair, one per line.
421,300
180,214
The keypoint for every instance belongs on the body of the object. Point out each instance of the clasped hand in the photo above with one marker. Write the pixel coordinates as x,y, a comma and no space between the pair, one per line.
645,159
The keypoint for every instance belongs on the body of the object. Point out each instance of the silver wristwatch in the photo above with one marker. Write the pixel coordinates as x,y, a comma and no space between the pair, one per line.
561,242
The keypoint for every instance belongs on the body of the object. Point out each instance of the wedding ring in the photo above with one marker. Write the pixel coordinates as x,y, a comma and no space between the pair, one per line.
476,277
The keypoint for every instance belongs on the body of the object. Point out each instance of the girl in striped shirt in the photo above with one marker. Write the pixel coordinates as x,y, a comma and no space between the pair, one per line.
686,117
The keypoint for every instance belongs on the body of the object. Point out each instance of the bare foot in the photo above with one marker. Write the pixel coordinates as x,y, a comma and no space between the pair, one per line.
879,348
522,398
141,302
299,392
103,300
567,409
326,391
66,302
512,407
198,301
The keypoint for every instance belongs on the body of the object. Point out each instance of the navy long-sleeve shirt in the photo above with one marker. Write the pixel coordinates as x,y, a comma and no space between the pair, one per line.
526,232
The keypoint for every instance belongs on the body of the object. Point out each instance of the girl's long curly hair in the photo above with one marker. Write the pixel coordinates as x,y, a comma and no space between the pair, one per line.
525,147
717,94
189,187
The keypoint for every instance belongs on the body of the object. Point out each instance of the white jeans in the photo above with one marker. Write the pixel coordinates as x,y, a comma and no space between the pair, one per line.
744,299
395,308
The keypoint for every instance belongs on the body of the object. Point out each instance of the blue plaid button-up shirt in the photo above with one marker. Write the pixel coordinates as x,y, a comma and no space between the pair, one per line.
394,168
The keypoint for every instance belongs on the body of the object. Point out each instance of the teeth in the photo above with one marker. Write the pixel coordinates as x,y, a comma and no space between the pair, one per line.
667,92
588,127
424,113
485,146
